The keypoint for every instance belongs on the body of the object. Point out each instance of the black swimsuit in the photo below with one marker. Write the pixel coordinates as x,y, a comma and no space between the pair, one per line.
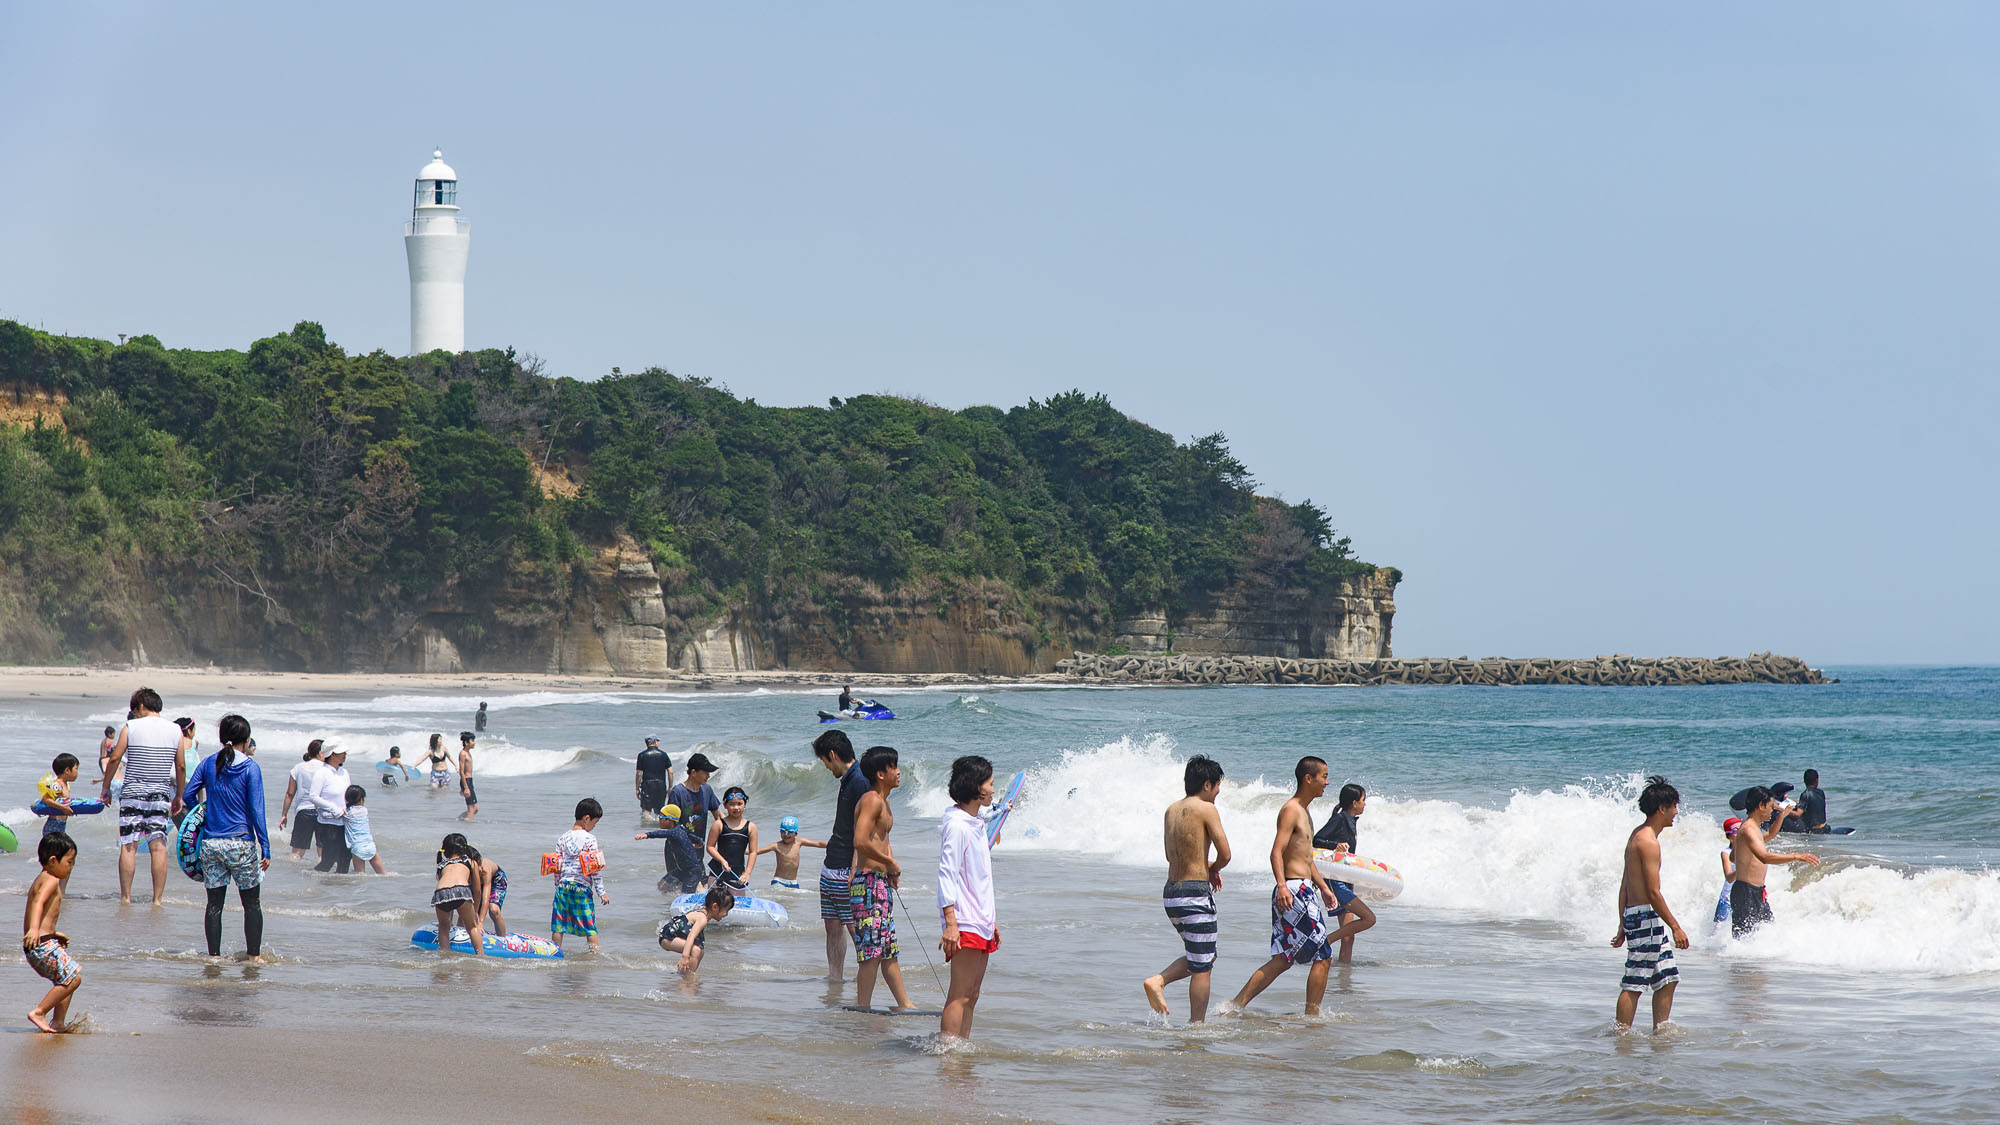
734,844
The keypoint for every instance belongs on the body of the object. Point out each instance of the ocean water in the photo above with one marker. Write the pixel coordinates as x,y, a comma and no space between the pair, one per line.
1484,994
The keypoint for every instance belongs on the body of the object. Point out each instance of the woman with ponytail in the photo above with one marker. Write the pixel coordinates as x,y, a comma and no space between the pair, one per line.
233,834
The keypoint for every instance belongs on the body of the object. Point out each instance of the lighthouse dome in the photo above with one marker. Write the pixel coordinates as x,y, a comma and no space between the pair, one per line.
437,169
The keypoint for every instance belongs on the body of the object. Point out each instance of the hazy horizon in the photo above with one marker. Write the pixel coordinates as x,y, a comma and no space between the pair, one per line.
1617,331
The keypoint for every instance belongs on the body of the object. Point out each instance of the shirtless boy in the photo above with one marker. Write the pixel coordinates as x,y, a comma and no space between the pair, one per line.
45,947
465,788
876,877
787,849
1193,830
1298,902
1748,907
1643,918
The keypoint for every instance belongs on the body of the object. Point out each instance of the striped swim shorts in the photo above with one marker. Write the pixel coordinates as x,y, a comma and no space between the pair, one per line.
1191,908
1649,952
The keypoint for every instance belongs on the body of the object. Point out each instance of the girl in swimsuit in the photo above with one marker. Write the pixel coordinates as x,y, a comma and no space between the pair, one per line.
438,760
461,889
732,840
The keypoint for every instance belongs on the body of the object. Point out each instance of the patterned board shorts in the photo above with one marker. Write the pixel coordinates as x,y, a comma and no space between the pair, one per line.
142,812
874,916
1191,908
224,861
1299,930
836,896
497,893
51,961
1649,952
574,911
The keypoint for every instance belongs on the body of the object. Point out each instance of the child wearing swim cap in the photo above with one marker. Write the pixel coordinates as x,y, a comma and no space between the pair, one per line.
787,850
732,842
683,852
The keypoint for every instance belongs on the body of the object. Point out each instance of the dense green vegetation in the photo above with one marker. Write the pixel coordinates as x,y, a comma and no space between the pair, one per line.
369,486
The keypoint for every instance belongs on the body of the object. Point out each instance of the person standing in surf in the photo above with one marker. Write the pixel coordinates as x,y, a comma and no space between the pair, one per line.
439,762
836,904
1342,833
1644,922
965,897
104,772
1193,835
653,776
1298,902
872,893
297,808
235,845
329,798
479,718
1749,907
465,743
148,751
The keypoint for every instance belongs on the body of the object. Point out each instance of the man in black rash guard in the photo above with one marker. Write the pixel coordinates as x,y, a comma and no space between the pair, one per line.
846,699
836,752
1811,816
654,776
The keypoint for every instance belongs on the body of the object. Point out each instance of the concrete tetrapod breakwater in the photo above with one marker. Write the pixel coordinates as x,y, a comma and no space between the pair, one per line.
1601,671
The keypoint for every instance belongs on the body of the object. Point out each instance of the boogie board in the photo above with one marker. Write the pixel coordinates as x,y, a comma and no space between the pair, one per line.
7,841
1005,806
496,945
78,807
187,840
1371,878
747,911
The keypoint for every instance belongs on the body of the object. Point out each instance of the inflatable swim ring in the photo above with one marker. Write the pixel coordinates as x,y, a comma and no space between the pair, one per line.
1371,878
495,945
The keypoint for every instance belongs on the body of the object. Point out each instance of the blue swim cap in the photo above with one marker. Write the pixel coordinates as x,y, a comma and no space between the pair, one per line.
789,824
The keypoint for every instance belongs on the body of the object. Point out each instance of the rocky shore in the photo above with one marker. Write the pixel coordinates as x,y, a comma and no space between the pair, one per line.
1601,671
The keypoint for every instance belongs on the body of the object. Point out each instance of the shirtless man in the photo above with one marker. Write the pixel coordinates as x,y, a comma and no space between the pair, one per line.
1643,917
1194,828
1298,902
876,877
465,743
1748,908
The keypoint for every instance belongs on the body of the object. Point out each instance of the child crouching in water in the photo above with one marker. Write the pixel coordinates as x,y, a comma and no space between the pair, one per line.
45,947
965,893
460,888
360,841
687,934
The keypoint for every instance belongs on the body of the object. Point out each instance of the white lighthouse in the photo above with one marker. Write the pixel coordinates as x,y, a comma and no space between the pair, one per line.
437,241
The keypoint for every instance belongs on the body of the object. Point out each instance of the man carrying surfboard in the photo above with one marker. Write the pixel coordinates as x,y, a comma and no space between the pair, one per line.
1193,833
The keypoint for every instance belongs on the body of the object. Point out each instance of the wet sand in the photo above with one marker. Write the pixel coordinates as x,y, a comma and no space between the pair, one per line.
222,1074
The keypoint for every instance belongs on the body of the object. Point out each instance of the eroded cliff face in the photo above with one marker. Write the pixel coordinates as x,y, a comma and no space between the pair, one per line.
614,616
1352,624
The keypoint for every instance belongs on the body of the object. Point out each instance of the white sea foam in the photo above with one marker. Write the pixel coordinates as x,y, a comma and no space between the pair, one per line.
1552,855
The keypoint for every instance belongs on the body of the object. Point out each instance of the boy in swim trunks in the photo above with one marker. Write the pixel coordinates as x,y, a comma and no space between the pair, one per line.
876,877
787,849
45,947
1194,829
579,877
687,934
1298,902
1748,905
1644,921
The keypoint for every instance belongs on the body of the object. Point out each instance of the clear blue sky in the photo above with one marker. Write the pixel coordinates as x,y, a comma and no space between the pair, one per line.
1654,329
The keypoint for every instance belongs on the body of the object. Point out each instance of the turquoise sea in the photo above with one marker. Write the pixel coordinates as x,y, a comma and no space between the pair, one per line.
1485,993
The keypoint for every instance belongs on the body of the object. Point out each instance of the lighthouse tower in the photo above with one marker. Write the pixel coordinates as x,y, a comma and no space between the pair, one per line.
437,241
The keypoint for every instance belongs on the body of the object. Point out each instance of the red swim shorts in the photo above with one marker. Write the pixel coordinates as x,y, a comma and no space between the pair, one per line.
969,940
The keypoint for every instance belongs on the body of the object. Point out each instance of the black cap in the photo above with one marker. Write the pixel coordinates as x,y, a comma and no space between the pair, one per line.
700,762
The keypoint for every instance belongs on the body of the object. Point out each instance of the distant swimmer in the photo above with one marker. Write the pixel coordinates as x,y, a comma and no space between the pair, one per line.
1197,851
479,719
465,744
1748,905
1644,922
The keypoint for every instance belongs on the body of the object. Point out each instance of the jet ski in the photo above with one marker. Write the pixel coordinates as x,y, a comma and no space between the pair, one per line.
862,709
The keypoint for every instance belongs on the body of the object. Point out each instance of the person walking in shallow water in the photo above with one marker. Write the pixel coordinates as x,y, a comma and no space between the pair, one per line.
1193,834
465,743
148,751
1644,922
235,845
